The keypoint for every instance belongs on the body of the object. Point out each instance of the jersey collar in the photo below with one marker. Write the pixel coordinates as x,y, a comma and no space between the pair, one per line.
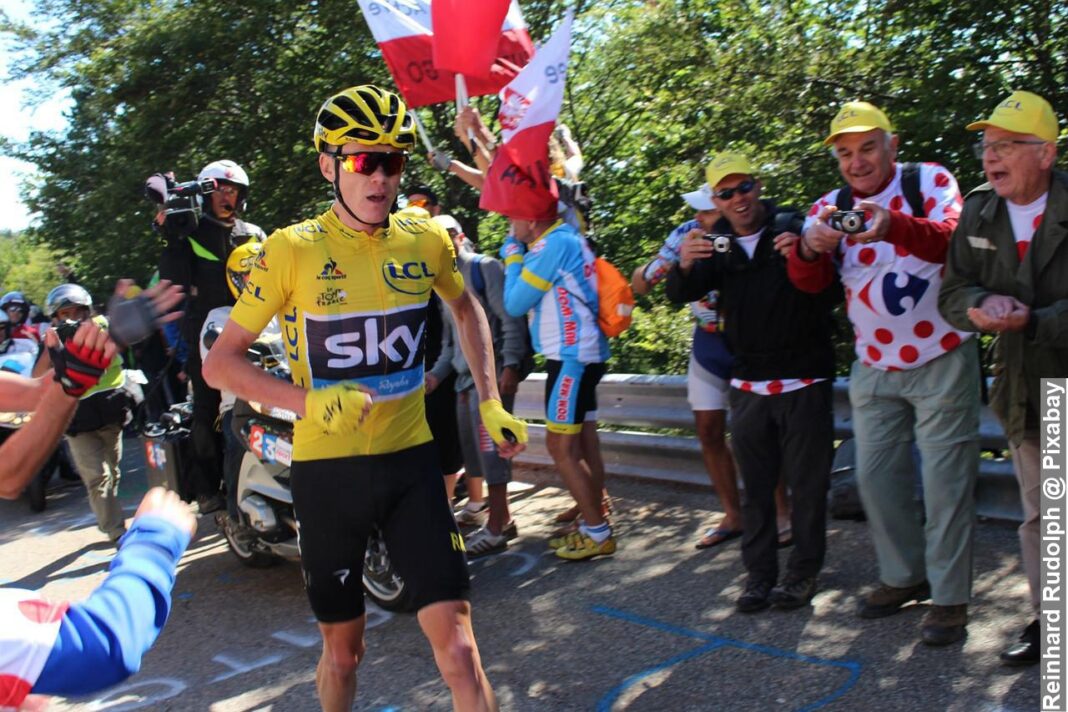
540,237
333,222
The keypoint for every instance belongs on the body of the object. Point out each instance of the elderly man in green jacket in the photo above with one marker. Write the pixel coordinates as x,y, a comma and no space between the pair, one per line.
1007,273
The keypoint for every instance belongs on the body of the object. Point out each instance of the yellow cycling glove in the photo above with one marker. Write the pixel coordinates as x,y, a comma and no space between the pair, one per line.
500,424
337,409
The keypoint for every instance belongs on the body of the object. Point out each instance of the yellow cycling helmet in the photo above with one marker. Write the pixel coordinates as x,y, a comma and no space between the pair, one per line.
364,114
239,264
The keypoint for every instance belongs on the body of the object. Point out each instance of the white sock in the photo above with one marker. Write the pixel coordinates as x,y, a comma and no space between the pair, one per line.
598,533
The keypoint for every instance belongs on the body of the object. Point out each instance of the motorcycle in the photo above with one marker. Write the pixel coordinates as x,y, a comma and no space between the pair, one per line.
265,500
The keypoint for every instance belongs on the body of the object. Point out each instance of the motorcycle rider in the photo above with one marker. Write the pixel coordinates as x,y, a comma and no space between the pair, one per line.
238,267
21,335
197,261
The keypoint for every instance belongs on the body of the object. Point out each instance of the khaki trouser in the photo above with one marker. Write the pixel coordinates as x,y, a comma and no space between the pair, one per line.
1025,461
937,407
96,458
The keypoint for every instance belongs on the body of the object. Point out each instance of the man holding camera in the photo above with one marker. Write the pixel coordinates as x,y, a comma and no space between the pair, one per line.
780,393
1007,273
915,378
194,256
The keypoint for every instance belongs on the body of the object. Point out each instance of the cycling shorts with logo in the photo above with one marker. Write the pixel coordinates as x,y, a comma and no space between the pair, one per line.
339,501
571,394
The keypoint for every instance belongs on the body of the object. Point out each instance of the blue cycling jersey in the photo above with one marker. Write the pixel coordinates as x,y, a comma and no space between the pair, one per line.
555,278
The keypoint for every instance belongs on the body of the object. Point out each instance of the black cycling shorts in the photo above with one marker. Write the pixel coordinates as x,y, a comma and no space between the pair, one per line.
337,503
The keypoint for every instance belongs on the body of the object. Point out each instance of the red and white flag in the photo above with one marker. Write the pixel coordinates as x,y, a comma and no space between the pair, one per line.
518,183
466,33
402,29
531,102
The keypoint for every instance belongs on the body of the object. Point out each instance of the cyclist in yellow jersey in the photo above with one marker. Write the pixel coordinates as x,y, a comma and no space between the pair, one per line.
350,288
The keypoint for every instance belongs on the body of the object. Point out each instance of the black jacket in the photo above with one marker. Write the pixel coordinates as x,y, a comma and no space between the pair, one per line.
773,329
204,278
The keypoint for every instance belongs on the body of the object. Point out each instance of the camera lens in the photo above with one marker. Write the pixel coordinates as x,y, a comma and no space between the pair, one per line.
852,223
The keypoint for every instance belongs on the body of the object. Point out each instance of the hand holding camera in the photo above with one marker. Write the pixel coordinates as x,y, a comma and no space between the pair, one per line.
181,203
850,222
694,247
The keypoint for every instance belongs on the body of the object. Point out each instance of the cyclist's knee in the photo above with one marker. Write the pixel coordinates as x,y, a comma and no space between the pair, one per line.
457,660
342,651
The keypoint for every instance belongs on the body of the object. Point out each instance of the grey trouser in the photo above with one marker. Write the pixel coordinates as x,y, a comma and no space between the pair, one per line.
480,453
96,458
937,406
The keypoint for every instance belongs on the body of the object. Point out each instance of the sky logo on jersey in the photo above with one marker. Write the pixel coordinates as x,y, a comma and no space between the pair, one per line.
408,277
381,350
330,271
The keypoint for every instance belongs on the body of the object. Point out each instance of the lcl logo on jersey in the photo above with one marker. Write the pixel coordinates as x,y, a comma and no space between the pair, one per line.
356,345
408,277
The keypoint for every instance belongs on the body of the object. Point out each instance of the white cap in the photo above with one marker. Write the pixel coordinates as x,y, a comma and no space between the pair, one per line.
700,199
449,223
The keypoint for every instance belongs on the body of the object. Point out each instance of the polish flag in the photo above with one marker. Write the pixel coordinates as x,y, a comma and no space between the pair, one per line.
466,35
518,183
531,102
402,29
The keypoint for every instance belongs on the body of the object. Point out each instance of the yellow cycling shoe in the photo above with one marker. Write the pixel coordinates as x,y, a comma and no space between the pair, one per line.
579,547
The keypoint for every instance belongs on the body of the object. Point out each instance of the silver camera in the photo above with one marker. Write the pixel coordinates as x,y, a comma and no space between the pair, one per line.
720,243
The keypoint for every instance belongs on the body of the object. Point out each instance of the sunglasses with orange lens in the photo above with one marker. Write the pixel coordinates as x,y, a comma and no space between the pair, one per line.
366,162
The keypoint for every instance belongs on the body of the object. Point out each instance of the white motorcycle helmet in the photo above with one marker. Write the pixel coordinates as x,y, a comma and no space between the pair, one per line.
226,171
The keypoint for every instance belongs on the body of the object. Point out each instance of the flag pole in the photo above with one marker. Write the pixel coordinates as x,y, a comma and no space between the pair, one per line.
422,132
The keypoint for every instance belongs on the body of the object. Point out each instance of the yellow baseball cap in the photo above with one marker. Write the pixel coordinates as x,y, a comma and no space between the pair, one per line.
857,117
727,164
1022,112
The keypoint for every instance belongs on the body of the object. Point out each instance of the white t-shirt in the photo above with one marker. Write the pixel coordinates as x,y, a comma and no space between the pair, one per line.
1025,220
891,294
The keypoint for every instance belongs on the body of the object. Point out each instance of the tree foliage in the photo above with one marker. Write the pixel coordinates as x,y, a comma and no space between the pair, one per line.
654,87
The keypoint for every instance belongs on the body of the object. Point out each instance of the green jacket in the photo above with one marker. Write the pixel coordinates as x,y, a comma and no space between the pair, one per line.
982,260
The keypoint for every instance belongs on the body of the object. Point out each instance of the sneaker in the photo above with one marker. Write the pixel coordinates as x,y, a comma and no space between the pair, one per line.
579,547
755,596
206,504
944,624
888,600
473,517
560,536
483,542
793,592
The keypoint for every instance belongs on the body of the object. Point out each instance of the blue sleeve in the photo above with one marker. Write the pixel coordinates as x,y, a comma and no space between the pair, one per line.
527,279
101,640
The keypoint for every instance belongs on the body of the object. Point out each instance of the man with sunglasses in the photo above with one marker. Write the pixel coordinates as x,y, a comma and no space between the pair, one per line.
351,287
916,377
1007,273
197,261
780,396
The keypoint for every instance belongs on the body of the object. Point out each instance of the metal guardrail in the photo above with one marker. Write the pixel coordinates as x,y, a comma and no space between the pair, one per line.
638,401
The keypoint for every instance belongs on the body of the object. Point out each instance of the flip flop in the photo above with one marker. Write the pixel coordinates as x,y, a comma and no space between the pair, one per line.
717,536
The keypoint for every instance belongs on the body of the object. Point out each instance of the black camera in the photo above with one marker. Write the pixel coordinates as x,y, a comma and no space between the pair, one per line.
65,329
847,221
182,202
720,243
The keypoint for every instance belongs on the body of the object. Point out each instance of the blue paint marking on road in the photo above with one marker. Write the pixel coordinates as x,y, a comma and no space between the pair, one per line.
715,642
184,596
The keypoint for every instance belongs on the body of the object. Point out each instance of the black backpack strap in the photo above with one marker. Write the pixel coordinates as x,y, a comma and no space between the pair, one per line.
910,186
787,220
844,199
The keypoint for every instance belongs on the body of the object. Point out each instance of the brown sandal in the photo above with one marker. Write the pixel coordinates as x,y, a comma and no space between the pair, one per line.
567,516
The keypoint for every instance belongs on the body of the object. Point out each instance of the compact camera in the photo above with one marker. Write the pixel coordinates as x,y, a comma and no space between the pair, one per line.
720,243
847,221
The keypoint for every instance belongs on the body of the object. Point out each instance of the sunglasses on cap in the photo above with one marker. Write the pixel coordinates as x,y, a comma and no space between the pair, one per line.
741,189
366,162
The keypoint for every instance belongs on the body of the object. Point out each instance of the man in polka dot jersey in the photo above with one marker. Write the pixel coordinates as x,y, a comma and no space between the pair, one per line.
1007,273
916,378
780,396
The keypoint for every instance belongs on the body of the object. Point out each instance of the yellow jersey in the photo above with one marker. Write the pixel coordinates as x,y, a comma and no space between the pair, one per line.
352,307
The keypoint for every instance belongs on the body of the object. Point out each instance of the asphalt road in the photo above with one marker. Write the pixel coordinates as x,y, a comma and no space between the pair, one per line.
652,628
